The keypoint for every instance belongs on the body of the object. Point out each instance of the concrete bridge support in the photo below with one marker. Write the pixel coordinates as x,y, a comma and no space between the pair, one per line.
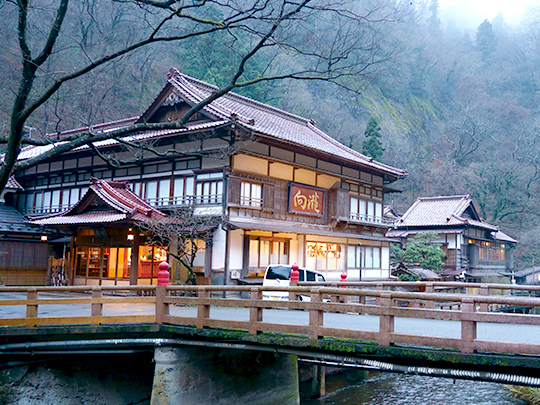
186,376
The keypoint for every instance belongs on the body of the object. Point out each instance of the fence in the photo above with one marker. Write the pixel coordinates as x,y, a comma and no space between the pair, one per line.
169,305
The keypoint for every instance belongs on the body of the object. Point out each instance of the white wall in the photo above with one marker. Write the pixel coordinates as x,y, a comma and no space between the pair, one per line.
236,249
218,250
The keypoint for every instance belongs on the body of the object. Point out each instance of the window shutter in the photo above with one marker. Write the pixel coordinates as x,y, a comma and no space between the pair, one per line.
343,205
268,197
234,185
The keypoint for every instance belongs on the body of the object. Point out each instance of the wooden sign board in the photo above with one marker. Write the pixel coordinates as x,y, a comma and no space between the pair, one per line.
306,200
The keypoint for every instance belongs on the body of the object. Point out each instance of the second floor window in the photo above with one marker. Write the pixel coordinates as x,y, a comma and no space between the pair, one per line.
251,195
209,188
366,210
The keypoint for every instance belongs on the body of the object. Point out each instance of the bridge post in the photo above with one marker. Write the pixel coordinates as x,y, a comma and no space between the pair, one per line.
205,375
468,328
318,383
386,322
430,289
380,287
97,308
484,290
32,310
255,313
162,308
316,315
203,310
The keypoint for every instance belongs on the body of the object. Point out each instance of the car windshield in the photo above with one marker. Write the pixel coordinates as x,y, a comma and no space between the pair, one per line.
283,273
278,273
311,276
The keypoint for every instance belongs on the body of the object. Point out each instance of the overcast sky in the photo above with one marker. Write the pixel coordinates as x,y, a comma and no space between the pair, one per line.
476,11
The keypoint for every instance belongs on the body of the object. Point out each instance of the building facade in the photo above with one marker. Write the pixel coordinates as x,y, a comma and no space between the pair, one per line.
286,192
472,247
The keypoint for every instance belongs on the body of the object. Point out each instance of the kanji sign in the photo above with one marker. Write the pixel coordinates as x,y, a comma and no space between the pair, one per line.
306,200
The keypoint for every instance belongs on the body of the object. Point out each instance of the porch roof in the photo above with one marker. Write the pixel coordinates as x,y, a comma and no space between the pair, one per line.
104,202
291,227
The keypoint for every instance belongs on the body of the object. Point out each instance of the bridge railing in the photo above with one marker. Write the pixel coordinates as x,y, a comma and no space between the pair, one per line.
325,300
446,287
308,312
33,306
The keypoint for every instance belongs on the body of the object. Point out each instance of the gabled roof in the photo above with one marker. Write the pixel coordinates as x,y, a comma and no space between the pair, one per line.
261,118
230,109
13,184
104,202
444,211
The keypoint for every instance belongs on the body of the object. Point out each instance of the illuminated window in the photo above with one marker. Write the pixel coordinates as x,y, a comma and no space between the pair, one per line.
265,251
324,256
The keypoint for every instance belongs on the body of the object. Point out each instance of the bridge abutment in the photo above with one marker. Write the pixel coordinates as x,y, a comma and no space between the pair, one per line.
193,375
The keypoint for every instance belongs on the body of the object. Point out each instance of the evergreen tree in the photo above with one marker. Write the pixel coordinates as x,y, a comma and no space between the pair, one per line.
372,146
486,42
434,21
422,250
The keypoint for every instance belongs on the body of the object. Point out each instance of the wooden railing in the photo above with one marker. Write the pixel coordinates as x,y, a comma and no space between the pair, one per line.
193,305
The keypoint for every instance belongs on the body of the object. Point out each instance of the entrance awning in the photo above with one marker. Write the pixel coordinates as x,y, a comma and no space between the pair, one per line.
295,227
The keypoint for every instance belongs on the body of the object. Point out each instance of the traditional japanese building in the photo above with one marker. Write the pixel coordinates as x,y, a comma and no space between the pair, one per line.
286,192
473,247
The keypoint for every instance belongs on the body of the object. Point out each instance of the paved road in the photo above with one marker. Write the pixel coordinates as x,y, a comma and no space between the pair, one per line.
428,327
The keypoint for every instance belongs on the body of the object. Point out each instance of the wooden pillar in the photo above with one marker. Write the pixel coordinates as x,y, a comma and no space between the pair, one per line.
318,383
430,289
484,290
386,322
468,327
255,313
134,270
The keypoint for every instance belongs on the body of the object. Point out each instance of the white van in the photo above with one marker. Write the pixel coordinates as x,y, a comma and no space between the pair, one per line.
280,275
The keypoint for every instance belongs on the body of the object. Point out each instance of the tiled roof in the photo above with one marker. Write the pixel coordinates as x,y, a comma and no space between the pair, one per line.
442,211
270,121
104,202
261,118
13,184
13,222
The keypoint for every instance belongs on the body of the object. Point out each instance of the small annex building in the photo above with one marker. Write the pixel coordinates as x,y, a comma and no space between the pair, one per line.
286,192
23,251
472,246
106,236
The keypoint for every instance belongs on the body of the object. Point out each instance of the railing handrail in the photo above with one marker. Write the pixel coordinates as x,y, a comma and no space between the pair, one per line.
387,306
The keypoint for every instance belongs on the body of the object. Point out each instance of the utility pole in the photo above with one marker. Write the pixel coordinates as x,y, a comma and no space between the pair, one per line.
533,275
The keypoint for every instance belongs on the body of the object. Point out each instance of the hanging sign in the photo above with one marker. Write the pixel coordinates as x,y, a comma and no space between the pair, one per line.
306,200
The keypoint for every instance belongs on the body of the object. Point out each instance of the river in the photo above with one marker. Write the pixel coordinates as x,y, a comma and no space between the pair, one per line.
381,388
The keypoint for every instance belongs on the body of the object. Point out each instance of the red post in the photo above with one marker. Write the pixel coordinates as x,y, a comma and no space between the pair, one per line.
343,280
295,274
343,299
163,274
294,278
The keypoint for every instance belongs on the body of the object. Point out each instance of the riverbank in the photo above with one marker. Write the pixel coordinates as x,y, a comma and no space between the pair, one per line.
528,394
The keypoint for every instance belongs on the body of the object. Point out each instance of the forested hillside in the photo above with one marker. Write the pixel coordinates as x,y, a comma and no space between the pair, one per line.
457,108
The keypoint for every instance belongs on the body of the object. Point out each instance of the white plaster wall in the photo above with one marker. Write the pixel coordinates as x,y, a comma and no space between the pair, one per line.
452,242
385,258
236,249
297,252
218,250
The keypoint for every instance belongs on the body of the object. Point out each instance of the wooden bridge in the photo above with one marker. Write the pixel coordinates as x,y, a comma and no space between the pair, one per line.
409,324
387,301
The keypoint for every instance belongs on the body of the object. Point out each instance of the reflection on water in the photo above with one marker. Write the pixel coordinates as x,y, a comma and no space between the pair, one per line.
401,389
